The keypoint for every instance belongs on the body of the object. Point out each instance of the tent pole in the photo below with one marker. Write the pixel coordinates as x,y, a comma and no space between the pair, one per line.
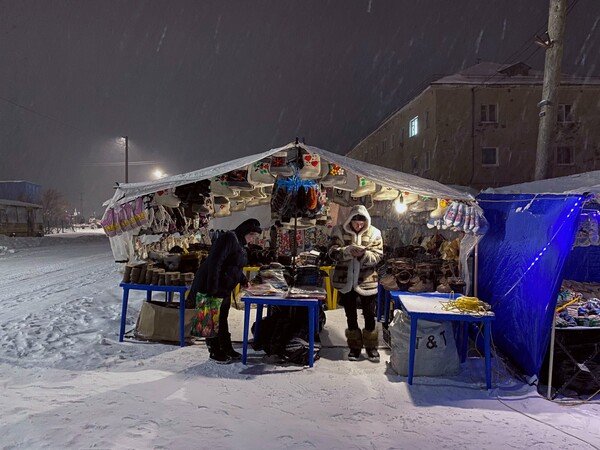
551,358
295,247
475,266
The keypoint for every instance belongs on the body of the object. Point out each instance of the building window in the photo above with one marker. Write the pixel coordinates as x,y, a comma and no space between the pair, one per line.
413,127
393,142
564,156
489,113
564,113
427,119
402,136
383,145
489,156
415,165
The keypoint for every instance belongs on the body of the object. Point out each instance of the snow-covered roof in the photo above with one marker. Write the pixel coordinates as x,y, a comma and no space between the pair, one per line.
17,203
518,73
572,184
382,175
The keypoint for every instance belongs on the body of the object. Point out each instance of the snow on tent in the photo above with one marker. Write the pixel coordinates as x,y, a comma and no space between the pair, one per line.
127,198
527,253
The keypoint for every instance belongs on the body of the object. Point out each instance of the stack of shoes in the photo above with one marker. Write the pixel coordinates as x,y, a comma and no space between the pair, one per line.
403,269
447,270
422,281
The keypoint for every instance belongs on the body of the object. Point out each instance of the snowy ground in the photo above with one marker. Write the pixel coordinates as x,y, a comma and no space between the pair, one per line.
68,383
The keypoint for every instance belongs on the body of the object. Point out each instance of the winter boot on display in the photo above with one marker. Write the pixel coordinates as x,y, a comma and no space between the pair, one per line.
215,352
227,346
371,341
355,343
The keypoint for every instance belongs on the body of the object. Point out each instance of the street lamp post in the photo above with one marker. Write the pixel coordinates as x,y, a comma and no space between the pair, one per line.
126,158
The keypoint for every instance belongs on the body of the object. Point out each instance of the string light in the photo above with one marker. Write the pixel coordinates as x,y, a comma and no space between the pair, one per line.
541,253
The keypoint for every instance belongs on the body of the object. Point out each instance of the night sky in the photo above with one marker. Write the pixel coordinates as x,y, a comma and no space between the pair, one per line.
194,83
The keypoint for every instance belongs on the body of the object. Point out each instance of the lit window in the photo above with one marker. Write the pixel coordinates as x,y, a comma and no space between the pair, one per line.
564,113
489,156
488,113
564,156
413,127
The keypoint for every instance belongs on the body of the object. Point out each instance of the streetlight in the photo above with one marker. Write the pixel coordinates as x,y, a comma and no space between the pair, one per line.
158,173
126,158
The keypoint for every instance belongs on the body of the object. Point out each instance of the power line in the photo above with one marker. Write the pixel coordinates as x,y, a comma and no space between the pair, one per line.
37,113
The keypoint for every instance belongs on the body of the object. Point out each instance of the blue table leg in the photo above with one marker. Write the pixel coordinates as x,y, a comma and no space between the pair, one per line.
412,348
317,313
380,294
181,319
259,313
246,331
464,332
311,335
148,296
386,309
488,359
123,313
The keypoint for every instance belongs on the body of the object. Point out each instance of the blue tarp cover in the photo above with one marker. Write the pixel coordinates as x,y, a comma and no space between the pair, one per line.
521,261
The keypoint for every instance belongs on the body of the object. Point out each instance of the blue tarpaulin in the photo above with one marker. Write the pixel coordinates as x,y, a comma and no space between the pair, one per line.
520,270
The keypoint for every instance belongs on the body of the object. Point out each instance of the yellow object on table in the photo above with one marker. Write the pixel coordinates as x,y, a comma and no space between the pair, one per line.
332,292
247,271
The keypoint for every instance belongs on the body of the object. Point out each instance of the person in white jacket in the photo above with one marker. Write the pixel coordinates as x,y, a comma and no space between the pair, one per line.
357,247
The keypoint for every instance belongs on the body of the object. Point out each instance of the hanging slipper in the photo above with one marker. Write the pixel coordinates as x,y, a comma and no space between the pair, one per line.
311,166
365,187
259,174
238,179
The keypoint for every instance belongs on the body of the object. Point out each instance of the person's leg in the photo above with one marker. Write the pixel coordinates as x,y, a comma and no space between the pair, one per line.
353,333
370,333
224,334
349,302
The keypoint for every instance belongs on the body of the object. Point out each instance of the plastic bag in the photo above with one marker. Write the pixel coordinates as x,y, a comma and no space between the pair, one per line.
205,322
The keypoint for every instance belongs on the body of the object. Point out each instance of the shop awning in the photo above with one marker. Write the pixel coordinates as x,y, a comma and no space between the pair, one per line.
381,175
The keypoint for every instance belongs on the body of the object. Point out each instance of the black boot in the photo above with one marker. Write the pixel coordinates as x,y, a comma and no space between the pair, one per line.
355,343
371,341
216,353
227,347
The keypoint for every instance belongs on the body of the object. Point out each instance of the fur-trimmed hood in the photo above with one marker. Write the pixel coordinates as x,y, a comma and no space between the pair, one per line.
355,211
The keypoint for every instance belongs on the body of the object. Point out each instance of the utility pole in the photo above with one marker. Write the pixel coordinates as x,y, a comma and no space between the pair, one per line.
81,206
553,42
126,159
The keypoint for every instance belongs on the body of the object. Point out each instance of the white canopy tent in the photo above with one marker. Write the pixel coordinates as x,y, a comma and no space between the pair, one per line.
381,175
571,184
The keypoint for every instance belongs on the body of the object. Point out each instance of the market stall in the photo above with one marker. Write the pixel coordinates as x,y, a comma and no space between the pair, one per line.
538,268
298,192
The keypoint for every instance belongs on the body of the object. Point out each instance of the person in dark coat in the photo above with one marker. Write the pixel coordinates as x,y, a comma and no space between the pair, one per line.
218,275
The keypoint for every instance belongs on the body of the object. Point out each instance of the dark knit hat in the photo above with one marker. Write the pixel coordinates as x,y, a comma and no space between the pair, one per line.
358,217
248,226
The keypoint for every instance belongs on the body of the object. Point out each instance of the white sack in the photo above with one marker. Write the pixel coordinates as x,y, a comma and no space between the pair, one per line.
436,353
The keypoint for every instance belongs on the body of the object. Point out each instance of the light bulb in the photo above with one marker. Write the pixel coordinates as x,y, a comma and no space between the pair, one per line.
399,205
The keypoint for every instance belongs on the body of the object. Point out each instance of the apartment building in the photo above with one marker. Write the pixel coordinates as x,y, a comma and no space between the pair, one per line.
479,128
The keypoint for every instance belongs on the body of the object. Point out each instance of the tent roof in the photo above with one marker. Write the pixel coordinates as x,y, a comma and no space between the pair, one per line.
382,175
572,184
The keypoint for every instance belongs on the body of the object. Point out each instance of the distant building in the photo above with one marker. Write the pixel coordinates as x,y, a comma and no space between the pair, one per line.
479,128
20,209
